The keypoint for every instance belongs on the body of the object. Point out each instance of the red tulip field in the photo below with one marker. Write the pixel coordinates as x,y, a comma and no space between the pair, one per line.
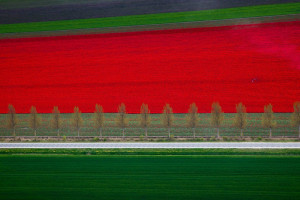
253,64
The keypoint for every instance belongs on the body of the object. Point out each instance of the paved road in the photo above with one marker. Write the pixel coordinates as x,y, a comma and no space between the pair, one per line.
175,145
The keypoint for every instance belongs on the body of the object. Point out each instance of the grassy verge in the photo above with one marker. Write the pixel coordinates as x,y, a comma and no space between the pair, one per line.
163,18
149,177
152,151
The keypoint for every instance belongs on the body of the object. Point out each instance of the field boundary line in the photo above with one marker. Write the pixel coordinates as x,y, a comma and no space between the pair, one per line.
158,27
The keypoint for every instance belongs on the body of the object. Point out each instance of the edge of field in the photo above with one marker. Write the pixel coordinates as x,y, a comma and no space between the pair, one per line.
162,21
277,152
156,27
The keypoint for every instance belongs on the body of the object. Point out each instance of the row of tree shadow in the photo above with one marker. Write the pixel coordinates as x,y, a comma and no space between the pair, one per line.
167,118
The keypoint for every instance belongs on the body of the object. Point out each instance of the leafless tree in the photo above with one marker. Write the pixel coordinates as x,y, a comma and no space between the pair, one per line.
217,116
296,116
12,120
268,118
121,119
192,117
99,118
240,120
77,120
56,120
167,118
145,118
34,120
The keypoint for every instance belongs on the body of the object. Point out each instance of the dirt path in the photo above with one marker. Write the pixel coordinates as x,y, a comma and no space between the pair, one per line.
174,145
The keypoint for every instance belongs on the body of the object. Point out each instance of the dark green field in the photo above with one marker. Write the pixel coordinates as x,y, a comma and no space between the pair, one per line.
204,128
148,19
150,176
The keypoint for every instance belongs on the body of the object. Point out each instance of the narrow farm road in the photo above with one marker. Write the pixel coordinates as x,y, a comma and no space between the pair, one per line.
171,145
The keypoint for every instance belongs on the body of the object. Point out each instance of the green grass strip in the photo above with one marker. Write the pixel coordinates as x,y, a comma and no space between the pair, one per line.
163,18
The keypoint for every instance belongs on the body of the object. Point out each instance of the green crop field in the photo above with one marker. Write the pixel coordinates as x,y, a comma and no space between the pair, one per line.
149,176
163,18
204,128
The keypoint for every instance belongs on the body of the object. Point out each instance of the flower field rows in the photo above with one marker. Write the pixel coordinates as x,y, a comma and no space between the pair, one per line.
253,64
